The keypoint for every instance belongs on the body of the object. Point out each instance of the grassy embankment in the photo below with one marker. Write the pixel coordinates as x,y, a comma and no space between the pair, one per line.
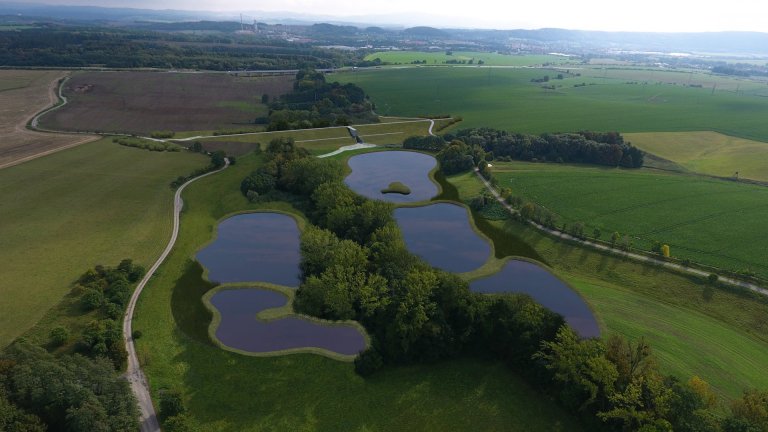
695,329
439,58
708,153
319,141
706,220
61,215
228,391
507,99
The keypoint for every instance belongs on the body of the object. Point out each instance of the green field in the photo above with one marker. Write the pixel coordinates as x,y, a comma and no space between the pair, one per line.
228,391
708,153
440,57
694,329
507,99
681,77
714,222
62,214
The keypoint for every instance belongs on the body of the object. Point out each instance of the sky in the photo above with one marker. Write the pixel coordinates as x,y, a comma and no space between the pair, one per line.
613,15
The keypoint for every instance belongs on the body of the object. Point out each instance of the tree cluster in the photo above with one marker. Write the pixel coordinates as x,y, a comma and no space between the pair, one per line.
315,103
65,46
107,290
218,160
584,147
40,392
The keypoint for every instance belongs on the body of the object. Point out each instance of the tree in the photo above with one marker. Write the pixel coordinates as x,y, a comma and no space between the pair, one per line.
91,299
368,362
596,233
265,98
527,211
171,403
614,238
59,335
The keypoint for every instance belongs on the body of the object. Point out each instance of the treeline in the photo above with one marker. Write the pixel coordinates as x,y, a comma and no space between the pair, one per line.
63,46
75,392
146,144
355,265
315,103
599,148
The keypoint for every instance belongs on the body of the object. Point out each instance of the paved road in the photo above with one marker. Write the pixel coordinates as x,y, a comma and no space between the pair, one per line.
638,257
134,374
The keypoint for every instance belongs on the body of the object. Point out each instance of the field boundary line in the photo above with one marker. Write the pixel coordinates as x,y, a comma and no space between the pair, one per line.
135,376
631,255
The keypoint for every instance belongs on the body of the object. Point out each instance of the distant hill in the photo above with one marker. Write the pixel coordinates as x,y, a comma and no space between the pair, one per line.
425,32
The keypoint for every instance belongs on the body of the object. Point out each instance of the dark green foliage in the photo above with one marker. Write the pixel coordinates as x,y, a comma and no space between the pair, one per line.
92,299
12,418
315,103
147,144
180,423
70,393
600,148
67,46
431,143
459,157
107,289
259,181
368,362
59,336
171,404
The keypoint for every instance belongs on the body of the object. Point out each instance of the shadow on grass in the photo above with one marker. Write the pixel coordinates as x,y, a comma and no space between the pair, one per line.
189,312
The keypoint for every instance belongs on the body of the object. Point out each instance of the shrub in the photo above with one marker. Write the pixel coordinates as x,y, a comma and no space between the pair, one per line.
368,362
92,299
59,336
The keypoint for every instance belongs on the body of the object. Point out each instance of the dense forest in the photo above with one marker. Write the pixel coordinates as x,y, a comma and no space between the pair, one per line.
316,103
79,388
63,46
355,265
599,148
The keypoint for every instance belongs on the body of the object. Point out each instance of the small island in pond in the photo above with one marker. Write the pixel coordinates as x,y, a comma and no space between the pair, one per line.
398,188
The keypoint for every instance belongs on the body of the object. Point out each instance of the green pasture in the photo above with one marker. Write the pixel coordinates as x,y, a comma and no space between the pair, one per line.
64,213
713,222
440,57
708,153
681,77
229,391
507,99
694,328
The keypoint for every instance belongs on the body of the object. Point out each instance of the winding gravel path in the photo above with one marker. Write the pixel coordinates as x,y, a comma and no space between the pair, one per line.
134,375
638,257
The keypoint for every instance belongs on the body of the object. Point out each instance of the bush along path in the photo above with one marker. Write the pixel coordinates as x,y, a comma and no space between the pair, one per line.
635,256
134,375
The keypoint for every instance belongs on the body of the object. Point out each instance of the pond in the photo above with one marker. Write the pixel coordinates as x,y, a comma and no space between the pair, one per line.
252,247
374,172
545,288
442,235
240,329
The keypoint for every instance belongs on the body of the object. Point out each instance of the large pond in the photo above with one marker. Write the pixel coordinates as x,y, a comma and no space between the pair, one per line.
374,172
442,235
240,329
546,289
253,247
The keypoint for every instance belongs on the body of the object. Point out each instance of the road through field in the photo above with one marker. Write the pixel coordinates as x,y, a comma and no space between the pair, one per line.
638,257
134,375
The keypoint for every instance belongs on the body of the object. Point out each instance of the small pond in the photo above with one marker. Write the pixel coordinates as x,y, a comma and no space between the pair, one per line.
373,172
251,247
240,329
546,289
442,235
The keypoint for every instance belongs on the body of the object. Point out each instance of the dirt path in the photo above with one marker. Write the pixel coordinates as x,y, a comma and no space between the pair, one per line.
135,376
638,257
33,136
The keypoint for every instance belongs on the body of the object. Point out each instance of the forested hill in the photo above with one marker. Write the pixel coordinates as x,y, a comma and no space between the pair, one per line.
64,46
